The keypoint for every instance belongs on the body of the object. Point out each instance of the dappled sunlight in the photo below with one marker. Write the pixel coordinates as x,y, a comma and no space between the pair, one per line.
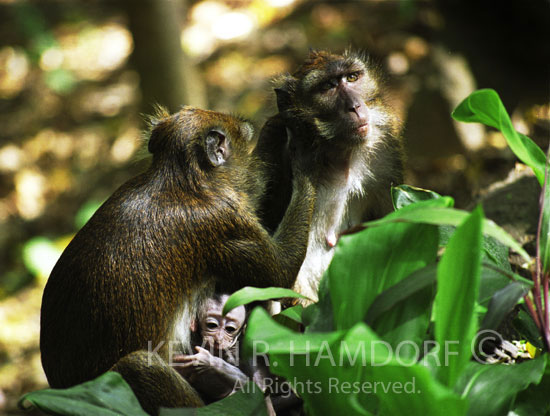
213,23
91,52
14,68
30,193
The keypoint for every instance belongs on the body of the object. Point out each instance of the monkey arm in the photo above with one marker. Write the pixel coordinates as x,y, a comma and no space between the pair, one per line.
213,377
252,257
272,149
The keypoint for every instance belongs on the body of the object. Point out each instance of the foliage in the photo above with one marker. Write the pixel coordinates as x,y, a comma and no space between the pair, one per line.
107,395
484,106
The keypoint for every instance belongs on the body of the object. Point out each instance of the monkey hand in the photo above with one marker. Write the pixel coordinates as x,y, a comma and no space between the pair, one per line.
192,365
210,375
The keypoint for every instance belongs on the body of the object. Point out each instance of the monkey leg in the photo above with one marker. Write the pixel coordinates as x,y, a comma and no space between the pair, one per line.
156,384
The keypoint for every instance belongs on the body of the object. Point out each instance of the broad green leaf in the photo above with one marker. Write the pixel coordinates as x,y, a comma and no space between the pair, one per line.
525,326
491,282
390,297
347,372
491,388
316,364
250,294
484,106
496,253
107,395
404,195
421,212
533,401
401,314
264,335
502,302
319,317
544,240
249,401
458,276
294,313
414,391
405,326
367,263
291,317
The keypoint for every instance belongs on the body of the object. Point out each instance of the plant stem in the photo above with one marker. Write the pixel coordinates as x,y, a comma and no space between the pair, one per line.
532,311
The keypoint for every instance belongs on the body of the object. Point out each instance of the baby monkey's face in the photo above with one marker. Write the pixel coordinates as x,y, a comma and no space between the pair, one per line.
221,332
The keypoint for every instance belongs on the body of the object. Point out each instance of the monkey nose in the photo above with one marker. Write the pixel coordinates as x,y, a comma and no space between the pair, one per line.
361,112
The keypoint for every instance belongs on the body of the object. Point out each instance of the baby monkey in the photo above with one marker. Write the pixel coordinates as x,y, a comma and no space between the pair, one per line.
216,370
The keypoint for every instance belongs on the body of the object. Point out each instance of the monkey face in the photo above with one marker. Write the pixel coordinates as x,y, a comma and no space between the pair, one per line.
220,333
338,96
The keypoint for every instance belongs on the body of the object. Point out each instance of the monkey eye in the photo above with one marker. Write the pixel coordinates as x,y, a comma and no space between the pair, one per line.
211,325
230,329
352,77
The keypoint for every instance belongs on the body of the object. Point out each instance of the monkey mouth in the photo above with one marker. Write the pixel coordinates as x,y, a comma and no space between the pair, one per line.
363,129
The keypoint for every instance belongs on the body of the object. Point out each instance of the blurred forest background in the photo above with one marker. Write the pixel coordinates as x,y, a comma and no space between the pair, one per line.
76,78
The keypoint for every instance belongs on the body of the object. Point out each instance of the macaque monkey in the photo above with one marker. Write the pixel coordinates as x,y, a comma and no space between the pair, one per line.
134,277
215,370
333,109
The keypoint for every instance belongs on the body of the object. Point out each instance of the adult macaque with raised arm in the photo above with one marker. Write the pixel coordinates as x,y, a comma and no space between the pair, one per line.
134,277
333,108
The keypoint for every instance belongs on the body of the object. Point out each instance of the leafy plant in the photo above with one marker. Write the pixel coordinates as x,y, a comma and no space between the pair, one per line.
485,106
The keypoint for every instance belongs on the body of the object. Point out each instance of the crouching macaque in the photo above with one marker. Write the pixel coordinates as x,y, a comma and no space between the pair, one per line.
134,277
333,108
216,370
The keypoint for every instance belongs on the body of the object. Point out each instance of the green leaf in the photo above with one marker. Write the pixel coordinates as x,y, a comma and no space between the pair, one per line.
392,296
491,388
421,393
544,240
502,302
346,372
424,212
319,317
291,317
523,323
308,361
458,276
249,294
247,402
496,253
107,395
401,314
367,263
404,195
484,106
534,400
405,326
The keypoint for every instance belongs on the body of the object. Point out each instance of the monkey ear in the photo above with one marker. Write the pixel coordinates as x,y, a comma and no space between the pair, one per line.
217,147
283,99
